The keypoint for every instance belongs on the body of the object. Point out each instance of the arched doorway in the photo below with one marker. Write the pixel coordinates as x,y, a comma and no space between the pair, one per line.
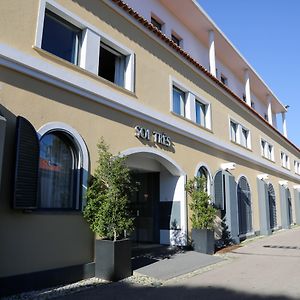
244,206
272,206
159,204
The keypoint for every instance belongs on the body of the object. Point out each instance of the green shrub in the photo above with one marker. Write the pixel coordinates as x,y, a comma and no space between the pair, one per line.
203,213
107,209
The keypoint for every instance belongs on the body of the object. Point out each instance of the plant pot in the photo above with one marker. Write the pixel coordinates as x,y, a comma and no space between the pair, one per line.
113,259
203,240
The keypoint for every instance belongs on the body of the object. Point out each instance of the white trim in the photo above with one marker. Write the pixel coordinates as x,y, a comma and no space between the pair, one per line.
175,170
90,44
83,151
60,126
73,82
202,164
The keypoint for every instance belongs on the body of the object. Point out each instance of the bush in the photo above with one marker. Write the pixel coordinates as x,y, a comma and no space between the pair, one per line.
107,209
203,213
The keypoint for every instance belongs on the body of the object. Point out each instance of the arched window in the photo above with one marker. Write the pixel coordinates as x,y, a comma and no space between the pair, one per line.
272,206
203,172
244,206
59,176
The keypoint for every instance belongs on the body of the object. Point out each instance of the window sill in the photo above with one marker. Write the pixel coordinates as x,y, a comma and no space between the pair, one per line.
77,68
270,160
192,122
243,147
289,169
40,211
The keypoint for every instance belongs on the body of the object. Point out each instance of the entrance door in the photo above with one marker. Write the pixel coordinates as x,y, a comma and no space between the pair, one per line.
145,203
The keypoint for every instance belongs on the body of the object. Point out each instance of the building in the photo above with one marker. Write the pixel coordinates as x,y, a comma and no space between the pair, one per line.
164,86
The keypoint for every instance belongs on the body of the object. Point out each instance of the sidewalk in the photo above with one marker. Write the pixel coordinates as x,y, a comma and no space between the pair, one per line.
265,268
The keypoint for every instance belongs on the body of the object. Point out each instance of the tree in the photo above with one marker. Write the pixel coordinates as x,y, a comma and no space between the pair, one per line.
203,213
107,209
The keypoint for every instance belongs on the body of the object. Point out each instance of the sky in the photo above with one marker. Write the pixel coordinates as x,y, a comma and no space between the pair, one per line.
267,34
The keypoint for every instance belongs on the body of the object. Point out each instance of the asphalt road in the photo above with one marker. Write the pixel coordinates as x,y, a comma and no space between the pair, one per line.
266,268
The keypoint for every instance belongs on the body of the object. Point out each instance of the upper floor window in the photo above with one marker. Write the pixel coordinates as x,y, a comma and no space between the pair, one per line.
112,64
285,160
224,79
267,150
239,134
176,39
201,113
297,167
179,99
233,131
61,38
157,23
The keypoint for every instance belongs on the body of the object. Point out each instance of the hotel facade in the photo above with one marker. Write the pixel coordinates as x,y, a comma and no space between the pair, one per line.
161,84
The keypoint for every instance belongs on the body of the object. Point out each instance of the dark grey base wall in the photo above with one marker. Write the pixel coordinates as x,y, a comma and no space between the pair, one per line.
44,279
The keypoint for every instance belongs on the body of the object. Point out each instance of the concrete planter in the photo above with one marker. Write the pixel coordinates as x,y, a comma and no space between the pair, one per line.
203,240
113,259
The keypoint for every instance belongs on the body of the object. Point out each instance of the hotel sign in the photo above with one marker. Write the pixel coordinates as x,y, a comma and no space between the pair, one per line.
157,137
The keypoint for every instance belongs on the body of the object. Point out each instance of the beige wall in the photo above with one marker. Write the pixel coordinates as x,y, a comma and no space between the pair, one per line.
56,240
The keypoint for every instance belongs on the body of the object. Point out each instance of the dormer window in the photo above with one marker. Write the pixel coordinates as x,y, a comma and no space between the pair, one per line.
157,23
176,39
224,79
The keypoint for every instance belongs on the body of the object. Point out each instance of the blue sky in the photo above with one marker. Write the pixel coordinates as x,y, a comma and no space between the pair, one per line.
267,33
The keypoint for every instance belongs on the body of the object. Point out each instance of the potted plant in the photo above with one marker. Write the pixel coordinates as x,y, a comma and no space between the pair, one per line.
107,212
203,215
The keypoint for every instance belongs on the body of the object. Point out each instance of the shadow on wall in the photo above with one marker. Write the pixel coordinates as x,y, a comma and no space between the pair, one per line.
126,291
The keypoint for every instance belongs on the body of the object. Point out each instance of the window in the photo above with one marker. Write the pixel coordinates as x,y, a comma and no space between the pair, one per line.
156,23
239,134
176,39
244,98
285,160
252,104
297,167
203,172
61,38
112,64
179,99
244,137
58,176
233,131
224,79
201,111
266,117
267,150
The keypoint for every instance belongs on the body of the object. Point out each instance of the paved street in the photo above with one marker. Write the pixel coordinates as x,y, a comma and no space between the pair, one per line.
266,268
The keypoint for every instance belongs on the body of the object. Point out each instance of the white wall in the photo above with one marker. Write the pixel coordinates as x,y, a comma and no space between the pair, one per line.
190,43
193,46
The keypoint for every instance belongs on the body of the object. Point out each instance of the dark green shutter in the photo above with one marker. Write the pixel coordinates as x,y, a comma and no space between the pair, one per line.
284,207
26,166
219,196
264,207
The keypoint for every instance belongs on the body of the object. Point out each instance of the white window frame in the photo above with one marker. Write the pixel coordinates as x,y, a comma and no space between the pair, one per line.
190,103
285,160
239,134
297,167
90,44
265,149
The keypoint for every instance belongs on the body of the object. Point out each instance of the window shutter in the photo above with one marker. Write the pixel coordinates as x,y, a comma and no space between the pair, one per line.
219,190
27,165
